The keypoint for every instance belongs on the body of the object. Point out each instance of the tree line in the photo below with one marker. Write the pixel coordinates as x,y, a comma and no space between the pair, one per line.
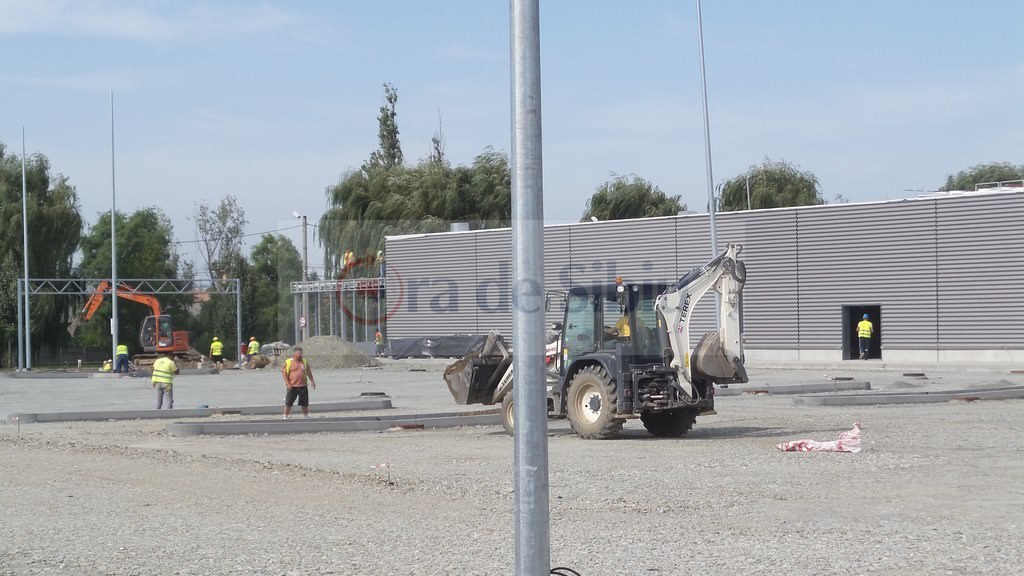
384,196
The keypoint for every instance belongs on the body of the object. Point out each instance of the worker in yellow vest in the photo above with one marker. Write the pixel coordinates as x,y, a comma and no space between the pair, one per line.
164,370
865,330
217,353
253,350
121,359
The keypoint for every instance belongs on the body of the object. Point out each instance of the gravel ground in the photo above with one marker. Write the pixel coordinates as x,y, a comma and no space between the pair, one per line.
937,490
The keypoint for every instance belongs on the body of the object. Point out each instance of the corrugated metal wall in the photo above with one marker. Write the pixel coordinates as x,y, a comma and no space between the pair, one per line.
948,273
980,282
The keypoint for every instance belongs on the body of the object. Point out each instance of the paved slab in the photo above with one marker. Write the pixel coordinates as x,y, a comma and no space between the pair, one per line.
338,424
102,415
1000,393
834,386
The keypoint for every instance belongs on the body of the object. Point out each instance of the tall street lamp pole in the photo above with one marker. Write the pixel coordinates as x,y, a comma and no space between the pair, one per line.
304,319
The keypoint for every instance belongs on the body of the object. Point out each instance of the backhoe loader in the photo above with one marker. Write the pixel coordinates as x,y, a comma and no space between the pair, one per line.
625,353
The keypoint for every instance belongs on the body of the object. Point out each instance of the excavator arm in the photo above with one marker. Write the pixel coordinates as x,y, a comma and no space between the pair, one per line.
718,356
102,289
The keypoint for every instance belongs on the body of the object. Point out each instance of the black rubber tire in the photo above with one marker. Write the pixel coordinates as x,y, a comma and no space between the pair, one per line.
670,423
591,404
508,421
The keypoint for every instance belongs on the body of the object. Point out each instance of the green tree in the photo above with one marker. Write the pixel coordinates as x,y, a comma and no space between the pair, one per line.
275,265
145,249
983,174
389,151
773,184
221,230
625,197
55,227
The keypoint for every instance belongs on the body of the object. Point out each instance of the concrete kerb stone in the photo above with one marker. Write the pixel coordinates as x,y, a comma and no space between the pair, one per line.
834,386
337,424
879,398
376,403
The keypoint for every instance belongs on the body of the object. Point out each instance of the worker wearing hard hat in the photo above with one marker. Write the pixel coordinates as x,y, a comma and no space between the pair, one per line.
254,349
865,330
217,353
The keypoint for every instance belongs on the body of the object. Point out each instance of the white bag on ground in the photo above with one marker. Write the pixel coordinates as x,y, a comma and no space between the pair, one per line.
848,441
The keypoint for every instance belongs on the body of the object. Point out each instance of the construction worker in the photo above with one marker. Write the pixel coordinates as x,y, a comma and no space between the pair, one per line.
253,350
297,374
164,370
121,359
378,339
865,330
622,327
217,353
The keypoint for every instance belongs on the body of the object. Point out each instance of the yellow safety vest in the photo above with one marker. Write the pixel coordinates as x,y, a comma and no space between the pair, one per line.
163,372
623,327
305,369
122,349
864,329
254,347
216,348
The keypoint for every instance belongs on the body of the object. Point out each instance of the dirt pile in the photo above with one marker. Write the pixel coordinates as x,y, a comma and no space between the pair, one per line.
328,352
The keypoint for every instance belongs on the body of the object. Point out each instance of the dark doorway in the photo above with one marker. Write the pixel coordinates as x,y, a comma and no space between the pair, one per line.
851,316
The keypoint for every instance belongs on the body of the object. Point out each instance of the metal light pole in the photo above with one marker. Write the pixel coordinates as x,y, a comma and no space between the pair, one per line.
532,529
304,319
707,135
113,243
24,248
707,157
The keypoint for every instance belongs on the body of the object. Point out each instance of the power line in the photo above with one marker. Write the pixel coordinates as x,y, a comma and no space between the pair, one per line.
243,235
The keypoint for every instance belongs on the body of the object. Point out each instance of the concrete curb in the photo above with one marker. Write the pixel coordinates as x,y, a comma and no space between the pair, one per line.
878,398
339,424
837,386
374,404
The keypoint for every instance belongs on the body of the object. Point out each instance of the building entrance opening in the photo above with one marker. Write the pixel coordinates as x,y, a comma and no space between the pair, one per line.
852,315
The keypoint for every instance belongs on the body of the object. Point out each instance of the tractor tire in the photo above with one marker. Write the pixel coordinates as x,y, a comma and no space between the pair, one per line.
508,421
591,405
670,423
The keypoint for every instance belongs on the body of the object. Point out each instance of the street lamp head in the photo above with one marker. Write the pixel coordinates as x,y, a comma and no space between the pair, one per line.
296,214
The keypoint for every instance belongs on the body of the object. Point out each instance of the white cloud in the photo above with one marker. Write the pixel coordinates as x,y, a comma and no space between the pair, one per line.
144,21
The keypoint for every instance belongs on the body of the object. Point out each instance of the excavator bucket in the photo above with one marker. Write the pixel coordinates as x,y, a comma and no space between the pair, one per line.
473,378
710,359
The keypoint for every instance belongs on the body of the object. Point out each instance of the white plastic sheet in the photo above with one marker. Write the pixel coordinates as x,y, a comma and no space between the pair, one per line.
848,441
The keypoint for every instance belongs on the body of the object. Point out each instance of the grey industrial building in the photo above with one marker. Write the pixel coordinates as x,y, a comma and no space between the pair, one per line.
942,276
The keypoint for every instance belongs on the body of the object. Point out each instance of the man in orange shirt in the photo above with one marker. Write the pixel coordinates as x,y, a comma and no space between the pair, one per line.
296,374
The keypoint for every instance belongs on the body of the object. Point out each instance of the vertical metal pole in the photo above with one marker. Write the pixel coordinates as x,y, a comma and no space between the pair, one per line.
21,333
113,243
344,319
366,312
238,318
305,294
296,313
355,329
707,158
748,191
317,314
330,309
24,254
532,530
707,134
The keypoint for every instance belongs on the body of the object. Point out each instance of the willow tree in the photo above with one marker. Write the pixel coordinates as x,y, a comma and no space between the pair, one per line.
771,184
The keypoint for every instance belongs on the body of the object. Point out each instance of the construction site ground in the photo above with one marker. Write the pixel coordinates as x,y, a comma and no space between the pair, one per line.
936,490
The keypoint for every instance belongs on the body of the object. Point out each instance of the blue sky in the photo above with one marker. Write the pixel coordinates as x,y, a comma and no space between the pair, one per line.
274,101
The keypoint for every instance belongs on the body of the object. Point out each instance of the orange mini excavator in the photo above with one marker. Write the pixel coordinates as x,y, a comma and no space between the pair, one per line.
156,335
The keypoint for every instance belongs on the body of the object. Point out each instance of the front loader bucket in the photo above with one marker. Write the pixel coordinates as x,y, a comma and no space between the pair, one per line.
473,378
711,359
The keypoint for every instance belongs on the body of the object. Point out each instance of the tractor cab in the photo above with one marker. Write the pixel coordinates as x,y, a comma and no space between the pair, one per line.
613,318
157,335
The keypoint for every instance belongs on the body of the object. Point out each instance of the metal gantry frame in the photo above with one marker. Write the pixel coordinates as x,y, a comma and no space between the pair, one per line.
149,286
344,290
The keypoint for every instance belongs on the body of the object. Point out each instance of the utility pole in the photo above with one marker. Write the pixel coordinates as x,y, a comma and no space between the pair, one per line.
113,246
532,513
24,256
304,318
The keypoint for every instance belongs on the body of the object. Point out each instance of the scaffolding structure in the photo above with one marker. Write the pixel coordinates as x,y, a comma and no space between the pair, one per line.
343,297
148,286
